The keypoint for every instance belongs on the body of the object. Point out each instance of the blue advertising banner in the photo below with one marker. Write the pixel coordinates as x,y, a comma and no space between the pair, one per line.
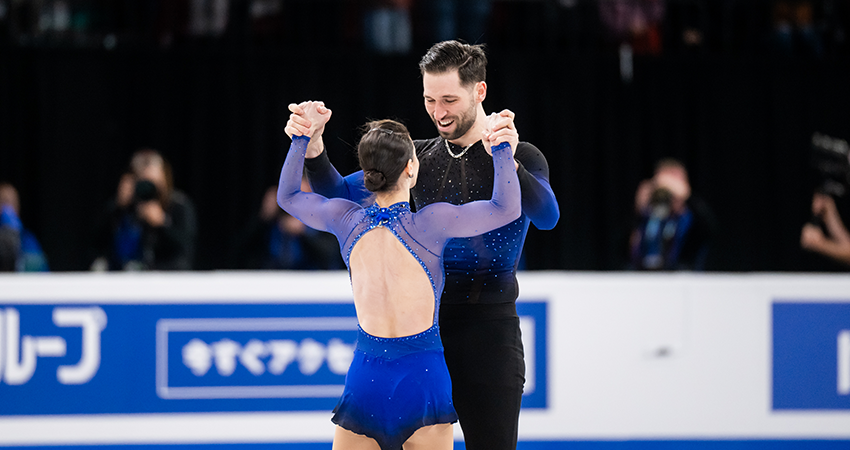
533,322
180,358
174,358
811,356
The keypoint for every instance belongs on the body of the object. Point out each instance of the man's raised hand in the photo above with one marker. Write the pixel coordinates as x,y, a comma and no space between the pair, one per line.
309,119
500,128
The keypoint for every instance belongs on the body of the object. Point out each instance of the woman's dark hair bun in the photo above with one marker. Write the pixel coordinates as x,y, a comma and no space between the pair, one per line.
384,151
374,180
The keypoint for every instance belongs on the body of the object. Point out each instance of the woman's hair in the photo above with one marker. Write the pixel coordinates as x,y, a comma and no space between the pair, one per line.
384,151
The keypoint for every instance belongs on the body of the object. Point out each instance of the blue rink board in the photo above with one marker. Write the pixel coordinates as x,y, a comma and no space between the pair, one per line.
162,358
523,445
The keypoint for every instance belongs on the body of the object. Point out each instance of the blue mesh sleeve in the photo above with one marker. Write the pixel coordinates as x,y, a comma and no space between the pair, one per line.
314,210
474,218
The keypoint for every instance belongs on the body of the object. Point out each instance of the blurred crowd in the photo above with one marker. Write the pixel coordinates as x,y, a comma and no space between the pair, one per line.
150,225
793,27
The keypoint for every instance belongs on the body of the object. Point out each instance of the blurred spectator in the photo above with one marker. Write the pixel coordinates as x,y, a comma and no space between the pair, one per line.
794,32
5,21
171,22
688,23
54,16
10,245
10,239
836,21
266,18
149,225
56,20
635,23
464,20
387,28
20,247
26,18
827,234
274,240
208,18
673,229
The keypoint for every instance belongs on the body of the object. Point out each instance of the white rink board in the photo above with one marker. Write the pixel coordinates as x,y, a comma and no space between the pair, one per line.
628,356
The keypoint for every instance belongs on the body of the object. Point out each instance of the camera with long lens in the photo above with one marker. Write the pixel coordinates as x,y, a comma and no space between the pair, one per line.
658,230
144,191
830,161
660,203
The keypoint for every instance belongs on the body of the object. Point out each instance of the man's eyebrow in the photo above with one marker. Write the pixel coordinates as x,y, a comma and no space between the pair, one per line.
441,96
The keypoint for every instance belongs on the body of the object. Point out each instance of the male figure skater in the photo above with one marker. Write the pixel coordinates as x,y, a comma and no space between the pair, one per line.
478,318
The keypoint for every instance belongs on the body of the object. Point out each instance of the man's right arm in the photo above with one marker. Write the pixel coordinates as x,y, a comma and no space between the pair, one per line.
326,180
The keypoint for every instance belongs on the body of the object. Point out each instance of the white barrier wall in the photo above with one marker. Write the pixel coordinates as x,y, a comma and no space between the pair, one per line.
259,358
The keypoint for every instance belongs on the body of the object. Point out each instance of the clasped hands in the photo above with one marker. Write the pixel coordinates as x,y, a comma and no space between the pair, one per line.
309,119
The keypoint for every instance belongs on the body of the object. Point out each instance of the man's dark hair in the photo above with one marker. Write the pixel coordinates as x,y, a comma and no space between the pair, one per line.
384,151
469,61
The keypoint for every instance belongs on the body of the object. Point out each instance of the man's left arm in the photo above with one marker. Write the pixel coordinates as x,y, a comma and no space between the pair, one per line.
538,199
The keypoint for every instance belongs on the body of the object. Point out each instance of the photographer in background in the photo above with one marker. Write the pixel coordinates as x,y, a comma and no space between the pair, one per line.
826,233
148,225
831,238
274,240
20,251
673,229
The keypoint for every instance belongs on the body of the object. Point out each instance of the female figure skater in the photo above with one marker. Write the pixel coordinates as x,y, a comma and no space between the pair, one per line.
397,390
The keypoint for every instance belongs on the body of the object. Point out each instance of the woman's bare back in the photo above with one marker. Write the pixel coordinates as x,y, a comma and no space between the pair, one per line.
392,293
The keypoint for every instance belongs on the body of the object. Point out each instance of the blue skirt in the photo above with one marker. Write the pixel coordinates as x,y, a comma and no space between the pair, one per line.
396,386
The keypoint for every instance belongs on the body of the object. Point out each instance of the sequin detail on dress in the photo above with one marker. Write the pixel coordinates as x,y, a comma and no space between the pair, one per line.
426,398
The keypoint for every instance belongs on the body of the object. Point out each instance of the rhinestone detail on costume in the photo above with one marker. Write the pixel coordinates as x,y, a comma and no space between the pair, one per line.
389,218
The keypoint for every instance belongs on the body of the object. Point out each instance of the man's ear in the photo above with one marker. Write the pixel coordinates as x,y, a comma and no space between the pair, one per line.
480,91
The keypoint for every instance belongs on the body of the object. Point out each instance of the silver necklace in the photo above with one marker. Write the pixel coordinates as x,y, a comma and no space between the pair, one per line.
459,155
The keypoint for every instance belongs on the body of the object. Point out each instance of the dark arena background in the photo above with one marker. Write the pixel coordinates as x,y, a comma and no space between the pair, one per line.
750,352
738,109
